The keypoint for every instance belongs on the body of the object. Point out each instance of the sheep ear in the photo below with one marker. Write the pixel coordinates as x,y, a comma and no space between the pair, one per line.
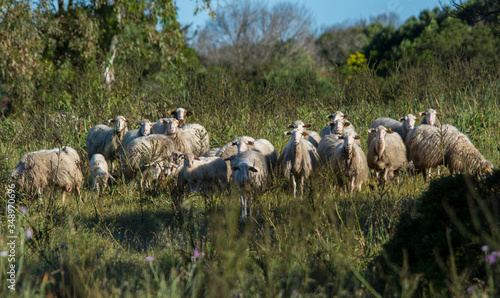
402,119
181,122
196,158
346,116
112,120
330,116
418,119
307,125
422,113
127,120
250,143
287,133
347,124
172,112
329,123
290,126
304,133
372,130
253,169
234,169
341,137
389,131
357,137
189,113
163,121
439,115
234,144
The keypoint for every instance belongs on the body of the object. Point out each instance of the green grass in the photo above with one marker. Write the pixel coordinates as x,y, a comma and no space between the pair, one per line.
326,244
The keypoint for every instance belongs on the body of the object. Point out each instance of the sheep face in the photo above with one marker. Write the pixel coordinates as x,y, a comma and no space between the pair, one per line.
298,124
486,167
241,173
409,121
18,171
243,145
296,134
337,116
120,123
189,159
381,133
348,142
338,126
172,126
430,116
145,128
180,114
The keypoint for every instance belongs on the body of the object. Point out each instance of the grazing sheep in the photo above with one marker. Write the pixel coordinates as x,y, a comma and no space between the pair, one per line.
431,117
461,156
263,146
402,128
249,171
298,159
187,140
59,167
180,114
387,152
99,172
426,146
144,130
207,173
312,136
350,160
160,127
106,140
146,155
326,148
328,129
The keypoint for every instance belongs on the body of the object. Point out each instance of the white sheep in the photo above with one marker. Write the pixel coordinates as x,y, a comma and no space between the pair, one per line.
145,157
160,127
59,167
144,130
350,161
387,152
203,173
326,148
180,114
99,172
402,128
431,117
250,172
189,139
298,159
263,146
106,140
341,127
311,135
461,156
231,149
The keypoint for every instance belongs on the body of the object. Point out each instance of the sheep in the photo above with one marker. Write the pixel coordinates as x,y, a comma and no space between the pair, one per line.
461,156
340,127
426,146
144,130
211,153
312,136
328,129
231,149
99,172
203,173
249,171
180,114
59,167
387,152
350,160
160,127
106,140
145,156
298,159
326,148
402,128
431,117
263,146
187,140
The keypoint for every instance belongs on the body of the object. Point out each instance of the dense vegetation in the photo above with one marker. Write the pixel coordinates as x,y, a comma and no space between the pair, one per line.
412,238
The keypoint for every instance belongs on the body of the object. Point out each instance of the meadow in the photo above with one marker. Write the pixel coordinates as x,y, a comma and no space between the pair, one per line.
414,238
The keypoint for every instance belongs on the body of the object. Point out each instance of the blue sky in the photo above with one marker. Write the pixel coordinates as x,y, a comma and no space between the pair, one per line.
325,12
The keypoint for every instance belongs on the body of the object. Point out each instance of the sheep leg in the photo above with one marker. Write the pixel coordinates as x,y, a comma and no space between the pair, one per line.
302,186
243,208
352,183
63,196
294,187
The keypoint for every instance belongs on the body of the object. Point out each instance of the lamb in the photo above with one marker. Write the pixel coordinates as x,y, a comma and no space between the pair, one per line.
312,136
328,129
99,172
431,117
187,140
249,171
298,159
326,148
59,167
426,146
145,157
263,146
402,128
144,130
350,160
462,156
205,173
106,140
387,152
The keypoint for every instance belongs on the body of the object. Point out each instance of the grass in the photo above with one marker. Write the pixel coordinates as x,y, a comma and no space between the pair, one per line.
330,243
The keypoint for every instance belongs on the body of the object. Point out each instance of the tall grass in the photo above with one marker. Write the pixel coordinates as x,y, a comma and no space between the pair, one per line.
328,243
